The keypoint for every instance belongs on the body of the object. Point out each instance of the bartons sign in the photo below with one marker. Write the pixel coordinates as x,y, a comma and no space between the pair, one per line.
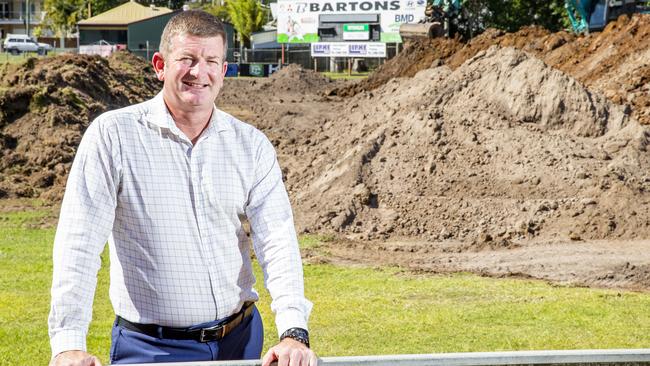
298,20
349,6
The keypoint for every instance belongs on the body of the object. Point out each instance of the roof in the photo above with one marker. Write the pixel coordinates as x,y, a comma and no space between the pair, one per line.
125,14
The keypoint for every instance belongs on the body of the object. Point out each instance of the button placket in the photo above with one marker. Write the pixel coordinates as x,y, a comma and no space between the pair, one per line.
197,166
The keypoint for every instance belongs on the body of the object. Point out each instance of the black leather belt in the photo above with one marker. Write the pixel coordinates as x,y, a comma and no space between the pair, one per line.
209,334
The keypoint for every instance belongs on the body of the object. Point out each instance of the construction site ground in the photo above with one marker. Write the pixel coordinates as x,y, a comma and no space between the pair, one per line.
514,154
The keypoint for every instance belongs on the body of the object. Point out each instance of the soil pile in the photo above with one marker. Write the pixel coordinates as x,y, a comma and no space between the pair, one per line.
504,148
46,105
613,62
416,56
288,106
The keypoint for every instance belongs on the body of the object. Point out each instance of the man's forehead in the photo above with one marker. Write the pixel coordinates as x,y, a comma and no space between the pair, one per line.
184,38
191,45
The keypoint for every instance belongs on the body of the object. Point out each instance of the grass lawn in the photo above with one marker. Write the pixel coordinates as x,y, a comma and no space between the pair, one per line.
345,75
358,311
6,57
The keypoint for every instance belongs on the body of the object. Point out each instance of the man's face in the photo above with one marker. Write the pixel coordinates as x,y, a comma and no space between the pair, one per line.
192,71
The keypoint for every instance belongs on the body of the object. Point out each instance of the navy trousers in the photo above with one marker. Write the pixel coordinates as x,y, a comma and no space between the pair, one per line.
242,343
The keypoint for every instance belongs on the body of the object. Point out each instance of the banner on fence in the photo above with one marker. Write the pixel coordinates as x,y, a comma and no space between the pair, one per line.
348,49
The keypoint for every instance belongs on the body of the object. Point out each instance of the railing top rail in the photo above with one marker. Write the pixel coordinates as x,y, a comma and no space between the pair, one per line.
576,357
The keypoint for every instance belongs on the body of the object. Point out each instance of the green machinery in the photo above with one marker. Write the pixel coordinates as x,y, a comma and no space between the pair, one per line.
593,15
437,21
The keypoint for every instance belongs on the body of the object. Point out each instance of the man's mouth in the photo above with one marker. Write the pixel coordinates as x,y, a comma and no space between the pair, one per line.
195,85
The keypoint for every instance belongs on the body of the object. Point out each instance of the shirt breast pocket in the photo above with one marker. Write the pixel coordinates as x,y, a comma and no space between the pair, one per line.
227,191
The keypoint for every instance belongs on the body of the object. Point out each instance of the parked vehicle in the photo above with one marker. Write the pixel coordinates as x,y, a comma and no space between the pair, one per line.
17,43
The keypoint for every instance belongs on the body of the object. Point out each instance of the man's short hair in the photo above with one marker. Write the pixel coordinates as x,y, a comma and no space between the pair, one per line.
193,22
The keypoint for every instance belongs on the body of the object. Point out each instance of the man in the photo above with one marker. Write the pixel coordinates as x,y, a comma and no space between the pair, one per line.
167,182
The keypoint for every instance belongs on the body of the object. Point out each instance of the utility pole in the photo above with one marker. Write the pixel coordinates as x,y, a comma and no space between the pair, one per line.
27,17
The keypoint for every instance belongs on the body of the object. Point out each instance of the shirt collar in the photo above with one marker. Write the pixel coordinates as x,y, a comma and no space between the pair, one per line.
159,115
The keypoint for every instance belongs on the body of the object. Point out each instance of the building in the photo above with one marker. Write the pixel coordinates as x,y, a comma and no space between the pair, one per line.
135,26
14,16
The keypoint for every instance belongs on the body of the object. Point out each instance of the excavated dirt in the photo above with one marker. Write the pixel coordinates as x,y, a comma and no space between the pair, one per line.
46,105
522,154
613,62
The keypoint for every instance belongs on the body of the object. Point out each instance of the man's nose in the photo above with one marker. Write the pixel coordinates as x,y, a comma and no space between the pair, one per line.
198,68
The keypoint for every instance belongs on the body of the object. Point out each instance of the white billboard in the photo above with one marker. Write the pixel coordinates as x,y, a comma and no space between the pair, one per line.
348,49
298,20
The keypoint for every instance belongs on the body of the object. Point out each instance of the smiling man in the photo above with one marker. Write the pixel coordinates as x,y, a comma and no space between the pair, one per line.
167,183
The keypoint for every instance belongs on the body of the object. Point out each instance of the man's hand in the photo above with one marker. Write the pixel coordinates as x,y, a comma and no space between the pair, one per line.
290,352
75,358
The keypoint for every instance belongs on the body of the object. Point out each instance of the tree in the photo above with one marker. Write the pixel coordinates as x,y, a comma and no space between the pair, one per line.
478,15
63,15
512,15
247,16
100,6
219,11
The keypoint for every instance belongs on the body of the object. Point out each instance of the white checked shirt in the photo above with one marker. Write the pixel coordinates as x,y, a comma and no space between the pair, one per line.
171,212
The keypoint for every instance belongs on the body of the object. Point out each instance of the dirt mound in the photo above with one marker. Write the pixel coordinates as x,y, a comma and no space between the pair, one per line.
415,57
612,62
501,149
46,106
294,78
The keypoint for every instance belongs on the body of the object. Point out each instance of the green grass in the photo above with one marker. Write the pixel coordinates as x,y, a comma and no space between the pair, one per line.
358,311
6,57
346,76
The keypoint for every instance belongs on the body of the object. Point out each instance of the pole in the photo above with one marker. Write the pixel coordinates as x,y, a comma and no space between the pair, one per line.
282,54
148,50
27,17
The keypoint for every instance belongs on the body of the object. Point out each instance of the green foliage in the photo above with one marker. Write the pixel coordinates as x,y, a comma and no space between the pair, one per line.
100,6
63,15
171,4
247,16
37,31
478,15
513,15
219,11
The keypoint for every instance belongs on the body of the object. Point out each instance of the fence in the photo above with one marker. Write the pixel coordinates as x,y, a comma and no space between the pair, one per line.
302,56
295,55
624,357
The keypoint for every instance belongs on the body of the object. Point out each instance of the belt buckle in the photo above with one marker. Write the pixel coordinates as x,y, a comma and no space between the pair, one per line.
212,334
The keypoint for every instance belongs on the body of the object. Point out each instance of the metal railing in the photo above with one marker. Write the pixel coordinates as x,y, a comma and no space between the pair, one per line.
617,357
13,16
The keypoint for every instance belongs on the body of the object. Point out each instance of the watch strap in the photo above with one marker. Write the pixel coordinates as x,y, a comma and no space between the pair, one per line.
299,334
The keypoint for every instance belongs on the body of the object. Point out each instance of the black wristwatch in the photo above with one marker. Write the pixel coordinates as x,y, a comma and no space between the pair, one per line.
298,334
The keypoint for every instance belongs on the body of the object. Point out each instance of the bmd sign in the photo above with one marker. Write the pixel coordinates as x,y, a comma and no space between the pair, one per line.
298,20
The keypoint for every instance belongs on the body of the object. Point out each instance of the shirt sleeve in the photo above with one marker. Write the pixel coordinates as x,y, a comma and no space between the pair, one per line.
85,223
275,242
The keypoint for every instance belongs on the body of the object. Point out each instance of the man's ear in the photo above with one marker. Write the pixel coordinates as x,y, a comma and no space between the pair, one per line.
158,63
225,69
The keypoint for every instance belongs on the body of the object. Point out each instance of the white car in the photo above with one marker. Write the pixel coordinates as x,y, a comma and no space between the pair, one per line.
17,43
